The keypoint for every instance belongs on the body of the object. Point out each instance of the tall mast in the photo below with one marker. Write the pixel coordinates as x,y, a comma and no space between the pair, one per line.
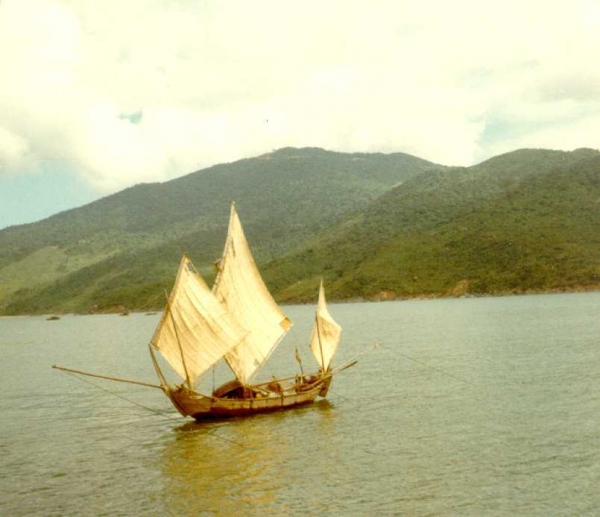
240,287
326,333
185,369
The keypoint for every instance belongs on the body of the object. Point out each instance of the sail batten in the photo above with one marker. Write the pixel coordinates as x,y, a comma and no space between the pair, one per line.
241,289
326,333
196,330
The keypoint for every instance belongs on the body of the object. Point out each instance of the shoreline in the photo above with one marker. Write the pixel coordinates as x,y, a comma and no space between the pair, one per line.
382,297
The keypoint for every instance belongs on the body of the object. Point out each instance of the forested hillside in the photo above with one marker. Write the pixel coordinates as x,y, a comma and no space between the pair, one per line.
522,222
373,226
123,250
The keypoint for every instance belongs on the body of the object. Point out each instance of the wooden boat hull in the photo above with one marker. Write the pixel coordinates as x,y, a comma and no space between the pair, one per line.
203,407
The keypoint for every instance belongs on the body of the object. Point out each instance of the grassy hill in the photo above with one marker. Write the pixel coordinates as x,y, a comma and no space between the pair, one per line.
124,249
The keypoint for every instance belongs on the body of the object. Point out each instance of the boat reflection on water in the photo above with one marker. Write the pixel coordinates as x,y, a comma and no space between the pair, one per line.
244,464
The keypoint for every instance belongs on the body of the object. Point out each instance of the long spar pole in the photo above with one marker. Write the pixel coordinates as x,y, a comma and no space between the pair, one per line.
87,374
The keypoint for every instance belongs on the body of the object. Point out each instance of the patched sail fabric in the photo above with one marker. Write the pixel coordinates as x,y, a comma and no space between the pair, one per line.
195,325
240,288
325,335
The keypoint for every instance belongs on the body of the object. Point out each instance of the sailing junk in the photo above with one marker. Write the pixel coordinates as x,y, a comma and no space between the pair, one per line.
238,321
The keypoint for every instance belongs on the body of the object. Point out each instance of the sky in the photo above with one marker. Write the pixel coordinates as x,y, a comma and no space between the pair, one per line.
98,96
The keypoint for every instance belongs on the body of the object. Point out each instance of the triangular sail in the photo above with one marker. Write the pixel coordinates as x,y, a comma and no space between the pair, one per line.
241,289
195,330
325,335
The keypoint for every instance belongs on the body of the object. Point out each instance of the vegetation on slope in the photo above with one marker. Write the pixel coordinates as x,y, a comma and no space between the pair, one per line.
124,249
483,230
374,226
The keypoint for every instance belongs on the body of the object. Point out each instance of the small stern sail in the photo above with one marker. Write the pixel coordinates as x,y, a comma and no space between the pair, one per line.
193,311
241,289
325,335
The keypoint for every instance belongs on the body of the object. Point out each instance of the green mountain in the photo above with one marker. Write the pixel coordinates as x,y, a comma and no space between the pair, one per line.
123,250
521,222
372,225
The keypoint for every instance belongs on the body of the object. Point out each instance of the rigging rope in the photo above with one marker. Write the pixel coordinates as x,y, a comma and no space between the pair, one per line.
353,332
148,408
436,369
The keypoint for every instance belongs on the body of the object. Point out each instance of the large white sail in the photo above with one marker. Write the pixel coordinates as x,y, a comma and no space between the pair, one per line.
326,333
196,330
241,289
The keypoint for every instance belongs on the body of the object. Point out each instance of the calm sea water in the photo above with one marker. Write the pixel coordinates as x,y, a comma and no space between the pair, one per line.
469,407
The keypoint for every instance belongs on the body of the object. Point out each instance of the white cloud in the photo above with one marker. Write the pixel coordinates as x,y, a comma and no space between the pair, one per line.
143,90
12,147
